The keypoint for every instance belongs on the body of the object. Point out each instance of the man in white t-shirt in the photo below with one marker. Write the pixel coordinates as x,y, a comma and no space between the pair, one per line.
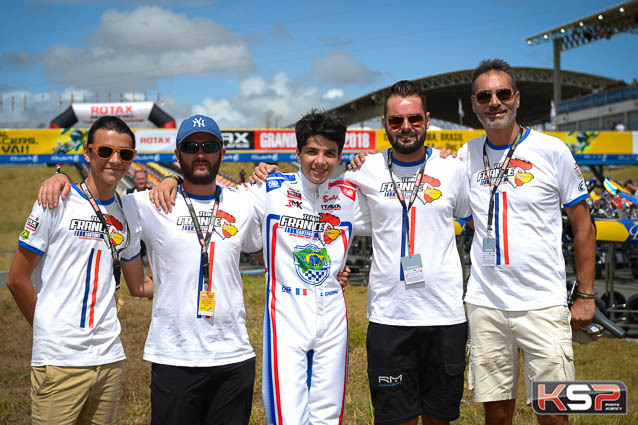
516,295
77,358
203,366
417,332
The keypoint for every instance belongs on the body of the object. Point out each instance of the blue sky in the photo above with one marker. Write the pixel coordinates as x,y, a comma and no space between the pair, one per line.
249,62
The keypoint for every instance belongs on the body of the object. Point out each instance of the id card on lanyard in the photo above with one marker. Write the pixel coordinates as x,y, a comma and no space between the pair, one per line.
488,253
411,265
206,304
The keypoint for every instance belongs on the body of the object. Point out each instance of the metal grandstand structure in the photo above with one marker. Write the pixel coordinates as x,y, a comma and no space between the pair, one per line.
604,24
443,92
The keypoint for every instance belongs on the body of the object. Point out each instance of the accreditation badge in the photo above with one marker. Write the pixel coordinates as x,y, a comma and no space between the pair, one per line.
489,252
206,303
412,270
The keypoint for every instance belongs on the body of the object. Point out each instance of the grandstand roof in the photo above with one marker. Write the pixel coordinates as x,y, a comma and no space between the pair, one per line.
604,24
444,90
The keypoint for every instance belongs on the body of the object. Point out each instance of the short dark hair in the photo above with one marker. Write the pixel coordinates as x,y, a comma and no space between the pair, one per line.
493,65
110,122
320,123
404,88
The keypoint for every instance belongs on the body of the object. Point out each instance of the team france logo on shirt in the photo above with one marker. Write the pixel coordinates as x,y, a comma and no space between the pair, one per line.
517,173
429,189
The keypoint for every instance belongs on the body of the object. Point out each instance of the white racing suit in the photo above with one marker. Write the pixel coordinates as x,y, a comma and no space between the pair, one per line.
306,230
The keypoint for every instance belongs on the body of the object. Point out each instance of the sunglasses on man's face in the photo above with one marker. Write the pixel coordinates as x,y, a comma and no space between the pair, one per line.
193,147
396,121
106,152
484,96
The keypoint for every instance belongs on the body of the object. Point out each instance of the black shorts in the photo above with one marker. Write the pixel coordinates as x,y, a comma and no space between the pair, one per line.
219,395
415,370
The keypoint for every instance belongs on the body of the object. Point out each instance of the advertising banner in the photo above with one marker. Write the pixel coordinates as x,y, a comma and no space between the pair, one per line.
23,146
128,111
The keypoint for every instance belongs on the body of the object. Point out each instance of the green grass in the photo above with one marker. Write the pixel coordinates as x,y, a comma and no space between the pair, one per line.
608,359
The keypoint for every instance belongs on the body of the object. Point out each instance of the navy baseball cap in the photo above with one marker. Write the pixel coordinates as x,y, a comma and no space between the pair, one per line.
198,124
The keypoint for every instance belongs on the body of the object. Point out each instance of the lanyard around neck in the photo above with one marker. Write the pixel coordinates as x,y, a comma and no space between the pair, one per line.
203,241
415,190
117,269
499,176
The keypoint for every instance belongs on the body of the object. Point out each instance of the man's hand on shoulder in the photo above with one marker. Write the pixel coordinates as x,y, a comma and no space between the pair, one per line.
50,189
359,159
163,195
262,171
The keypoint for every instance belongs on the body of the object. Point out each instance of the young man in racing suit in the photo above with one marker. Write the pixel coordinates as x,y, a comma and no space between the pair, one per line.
308,221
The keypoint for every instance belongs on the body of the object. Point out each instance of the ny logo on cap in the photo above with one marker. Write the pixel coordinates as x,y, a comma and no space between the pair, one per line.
199,122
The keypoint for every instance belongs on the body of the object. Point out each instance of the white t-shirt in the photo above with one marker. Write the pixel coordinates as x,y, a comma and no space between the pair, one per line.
177,335
530,270
443,193
75,322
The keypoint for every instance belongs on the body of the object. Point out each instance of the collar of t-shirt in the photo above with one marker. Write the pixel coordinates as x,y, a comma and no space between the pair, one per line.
396,162
200,197
81,193
500,148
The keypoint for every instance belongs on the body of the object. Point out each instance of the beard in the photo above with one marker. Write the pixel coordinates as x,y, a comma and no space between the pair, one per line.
407,148
200,179
499,124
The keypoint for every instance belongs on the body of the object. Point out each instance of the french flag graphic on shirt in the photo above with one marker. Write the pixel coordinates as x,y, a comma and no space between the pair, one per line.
500,229
90,288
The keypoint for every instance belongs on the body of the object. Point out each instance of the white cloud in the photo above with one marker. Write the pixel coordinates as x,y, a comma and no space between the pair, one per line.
258,101
135,49
333,94
278,101
339,67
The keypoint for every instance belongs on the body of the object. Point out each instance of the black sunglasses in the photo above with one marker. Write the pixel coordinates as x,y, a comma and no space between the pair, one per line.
193,147
396,121
484,96
106,152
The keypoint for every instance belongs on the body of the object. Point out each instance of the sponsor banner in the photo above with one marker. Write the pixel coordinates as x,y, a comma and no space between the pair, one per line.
579,142
127,111
239,139
589,148
152,140
356,140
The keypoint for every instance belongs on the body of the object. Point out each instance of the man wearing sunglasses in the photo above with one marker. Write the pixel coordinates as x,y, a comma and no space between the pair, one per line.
417,331
203,366
516,301
77,358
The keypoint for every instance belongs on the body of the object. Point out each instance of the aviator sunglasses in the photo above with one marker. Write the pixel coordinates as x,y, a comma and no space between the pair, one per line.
193,147
484,96
106,152
396,121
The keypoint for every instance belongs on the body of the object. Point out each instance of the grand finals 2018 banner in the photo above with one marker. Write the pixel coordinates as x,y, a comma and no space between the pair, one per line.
34,146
